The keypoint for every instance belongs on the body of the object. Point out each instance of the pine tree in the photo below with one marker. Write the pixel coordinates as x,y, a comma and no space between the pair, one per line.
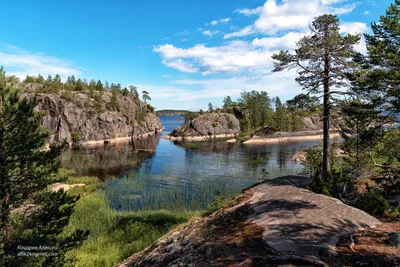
227,102
210,107
322,59
361,128
133,91
379,79
145,96
26,171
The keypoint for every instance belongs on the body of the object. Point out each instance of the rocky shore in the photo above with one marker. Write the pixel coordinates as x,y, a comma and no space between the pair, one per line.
78,118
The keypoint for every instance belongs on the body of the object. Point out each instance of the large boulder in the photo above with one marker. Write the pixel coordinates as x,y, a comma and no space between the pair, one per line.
208,126
75,117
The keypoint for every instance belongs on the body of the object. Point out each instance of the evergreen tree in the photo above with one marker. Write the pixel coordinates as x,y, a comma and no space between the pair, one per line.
49,80
303,102
379,78
322,60
210,107
145,96
133,91
258,106
361,128
278,103
40,79
26,171
125,91
227,102
99,87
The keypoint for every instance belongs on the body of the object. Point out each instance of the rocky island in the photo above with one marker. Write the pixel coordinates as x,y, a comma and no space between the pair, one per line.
78,118
205,127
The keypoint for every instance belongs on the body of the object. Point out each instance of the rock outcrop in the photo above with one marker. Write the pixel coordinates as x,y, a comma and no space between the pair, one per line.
275,223
75,117
209,126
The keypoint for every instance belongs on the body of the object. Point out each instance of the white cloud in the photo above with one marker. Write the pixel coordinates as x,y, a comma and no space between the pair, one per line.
232,57
289,15
243,32
184,40
225,20
19,62
180,65
286,42
215,22
366,12
194,94
249,12
353,27
210,33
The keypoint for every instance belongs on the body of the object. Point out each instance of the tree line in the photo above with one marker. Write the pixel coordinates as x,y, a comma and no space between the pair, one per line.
93,88
256,110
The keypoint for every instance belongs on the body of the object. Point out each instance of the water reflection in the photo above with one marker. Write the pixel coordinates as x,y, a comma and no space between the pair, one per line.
156,173
111,159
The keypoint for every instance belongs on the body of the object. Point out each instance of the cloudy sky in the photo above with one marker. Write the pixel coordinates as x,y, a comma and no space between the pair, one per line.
186,53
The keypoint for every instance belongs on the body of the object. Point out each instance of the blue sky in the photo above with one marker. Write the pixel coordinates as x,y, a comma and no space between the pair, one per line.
186,53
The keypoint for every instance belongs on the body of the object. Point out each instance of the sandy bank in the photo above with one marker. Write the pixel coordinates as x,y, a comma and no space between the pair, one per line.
126,139
290,137
197,138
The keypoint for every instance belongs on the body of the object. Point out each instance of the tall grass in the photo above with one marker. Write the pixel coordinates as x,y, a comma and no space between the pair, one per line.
116,235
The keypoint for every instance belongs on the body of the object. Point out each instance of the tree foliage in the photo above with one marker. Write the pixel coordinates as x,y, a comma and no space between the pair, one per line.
26,170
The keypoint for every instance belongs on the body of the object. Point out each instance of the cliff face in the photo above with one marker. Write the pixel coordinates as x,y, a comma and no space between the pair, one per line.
213,125
76,117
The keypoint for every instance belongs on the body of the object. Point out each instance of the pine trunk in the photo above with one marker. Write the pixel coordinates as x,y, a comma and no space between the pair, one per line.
325,147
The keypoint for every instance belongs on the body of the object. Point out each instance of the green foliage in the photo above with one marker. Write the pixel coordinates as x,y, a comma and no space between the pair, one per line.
216,204
140,116
145,96
210,107
114,99
373,202
76,137
258,106
361,129
189,116
26,171
312,165
303,104
379,78
228,102
214,124
133,91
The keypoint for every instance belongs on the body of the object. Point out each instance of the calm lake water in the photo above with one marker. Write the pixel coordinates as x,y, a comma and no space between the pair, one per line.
157,174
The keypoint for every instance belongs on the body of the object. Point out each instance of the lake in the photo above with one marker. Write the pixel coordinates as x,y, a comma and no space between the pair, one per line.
155,173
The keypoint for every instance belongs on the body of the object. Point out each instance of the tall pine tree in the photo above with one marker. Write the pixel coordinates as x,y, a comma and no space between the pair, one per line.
26,171
322,59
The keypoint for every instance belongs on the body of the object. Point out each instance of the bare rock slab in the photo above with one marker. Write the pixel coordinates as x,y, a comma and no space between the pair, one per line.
274,223
298,221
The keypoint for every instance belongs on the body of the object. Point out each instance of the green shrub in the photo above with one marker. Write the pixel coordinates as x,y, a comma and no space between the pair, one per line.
214,124
373,202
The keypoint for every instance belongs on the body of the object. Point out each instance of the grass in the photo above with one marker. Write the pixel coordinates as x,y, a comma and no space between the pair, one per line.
91,184
115,235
